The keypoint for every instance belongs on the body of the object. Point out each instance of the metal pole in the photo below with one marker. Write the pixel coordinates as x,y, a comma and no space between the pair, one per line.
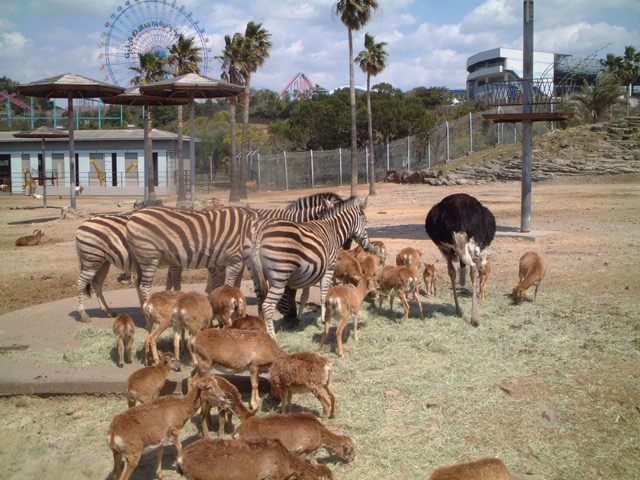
340,164
286,173
72,154
366,162
259,179
192,145
527,125
429,153
409,154
147,154
313,182
446,124
470,133
388,155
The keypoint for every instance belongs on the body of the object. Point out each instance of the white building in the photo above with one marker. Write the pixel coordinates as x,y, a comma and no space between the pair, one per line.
503,65
108,162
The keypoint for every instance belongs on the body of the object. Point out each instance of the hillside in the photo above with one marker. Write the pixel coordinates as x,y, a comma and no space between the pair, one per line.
610,148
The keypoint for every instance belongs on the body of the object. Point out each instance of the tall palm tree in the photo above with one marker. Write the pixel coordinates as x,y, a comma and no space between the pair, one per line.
256,51
355,14
372,61
231,59
151,68
184,57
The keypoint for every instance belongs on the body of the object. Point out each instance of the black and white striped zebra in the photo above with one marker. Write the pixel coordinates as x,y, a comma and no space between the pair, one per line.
101,242
282,253
161,236
303,209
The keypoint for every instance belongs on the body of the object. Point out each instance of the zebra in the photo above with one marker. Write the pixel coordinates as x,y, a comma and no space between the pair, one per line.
159,236
101,242
303,209
282,253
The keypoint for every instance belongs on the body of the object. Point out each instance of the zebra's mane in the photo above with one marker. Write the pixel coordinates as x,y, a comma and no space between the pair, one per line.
316,200
341,207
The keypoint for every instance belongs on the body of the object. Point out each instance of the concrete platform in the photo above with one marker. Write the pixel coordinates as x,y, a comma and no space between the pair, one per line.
53,327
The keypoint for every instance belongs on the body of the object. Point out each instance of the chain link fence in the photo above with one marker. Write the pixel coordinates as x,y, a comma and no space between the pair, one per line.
330,168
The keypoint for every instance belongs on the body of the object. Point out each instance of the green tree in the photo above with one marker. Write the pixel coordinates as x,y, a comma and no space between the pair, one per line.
601,95
151,68
231,59
626,68
372,61
184,57
255,51
354,14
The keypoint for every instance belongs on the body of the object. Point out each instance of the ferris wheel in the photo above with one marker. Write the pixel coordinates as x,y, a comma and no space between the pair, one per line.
144,26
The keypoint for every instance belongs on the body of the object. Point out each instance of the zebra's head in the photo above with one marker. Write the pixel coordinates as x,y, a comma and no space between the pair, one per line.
359,224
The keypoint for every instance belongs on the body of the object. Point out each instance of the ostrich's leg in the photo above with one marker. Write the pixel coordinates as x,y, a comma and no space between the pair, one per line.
474,304
452,275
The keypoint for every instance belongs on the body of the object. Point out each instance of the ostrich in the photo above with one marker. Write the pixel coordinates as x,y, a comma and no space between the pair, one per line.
462,228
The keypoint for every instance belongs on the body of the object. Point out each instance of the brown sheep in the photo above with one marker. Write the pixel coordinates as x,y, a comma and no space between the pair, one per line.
125,331
209,459
303,372
144,385
483,469
30,240
532,270
234,406
302,434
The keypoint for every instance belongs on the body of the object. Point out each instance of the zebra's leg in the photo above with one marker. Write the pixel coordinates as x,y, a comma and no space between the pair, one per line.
287,306
98,282
325,284
304,297
268,307
145,278
83,285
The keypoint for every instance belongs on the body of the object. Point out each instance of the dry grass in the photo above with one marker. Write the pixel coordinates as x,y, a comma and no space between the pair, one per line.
420,395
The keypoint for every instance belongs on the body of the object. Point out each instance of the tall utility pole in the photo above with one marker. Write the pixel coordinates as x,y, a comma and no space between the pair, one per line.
527,123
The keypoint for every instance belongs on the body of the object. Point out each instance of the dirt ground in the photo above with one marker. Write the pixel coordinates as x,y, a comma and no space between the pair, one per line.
593,250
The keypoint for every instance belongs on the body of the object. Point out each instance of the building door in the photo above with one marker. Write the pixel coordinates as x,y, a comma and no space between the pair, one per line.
5,172
114,169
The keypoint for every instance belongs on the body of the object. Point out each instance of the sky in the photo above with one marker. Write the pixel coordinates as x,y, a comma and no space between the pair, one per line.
428,41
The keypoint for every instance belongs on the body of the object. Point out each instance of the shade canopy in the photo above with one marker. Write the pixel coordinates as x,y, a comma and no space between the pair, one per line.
69,84
42,132
192,86
133,97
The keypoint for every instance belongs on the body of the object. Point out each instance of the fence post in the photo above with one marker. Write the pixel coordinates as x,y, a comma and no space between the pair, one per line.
429,154
286,173
259,180
388,156
470,133
313,181
446,123
409,154
340,164
366,162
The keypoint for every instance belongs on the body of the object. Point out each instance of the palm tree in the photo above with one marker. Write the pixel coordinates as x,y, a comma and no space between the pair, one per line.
596,98
355,14
152,68
256,51
372,61
184,57
231,59
626,68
